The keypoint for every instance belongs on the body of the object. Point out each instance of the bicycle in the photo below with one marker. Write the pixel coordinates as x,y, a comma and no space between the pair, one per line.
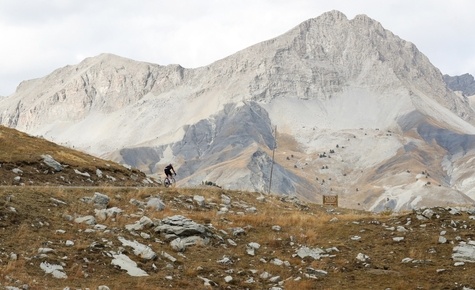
169,181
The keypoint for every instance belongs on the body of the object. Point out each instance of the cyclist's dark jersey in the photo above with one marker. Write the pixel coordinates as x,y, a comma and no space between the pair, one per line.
168,170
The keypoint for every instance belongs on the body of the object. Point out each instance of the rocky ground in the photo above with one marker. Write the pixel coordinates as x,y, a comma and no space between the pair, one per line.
157,238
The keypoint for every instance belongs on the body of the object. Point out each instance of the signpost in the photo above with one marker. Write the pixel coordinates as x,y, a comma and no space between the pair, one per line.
330,200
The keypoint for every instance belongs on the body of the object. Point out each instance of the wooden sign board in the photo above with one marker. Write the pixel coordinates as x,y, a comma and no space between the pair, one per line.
330,200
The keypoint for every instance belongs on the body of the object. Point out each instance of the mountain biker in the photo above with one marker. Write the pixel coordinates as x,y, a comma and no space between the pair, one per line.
168,171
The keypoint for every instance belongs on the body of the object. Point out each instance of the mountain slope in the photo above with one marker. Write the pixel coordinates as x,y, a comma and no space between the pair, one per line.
358,111
27,160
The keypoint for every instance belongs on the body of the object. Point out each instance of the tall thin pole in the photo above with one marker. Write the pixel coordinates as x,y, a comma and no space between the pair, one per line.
272,164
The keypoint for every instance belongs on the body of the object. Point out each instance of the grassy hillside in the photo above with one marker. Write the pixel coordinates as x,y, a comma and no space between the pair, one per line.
21,156
32,220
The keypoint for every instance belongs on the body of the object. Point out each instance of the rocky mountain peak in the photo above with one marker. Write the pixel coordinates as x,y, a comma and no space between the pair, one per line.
332,16
464,83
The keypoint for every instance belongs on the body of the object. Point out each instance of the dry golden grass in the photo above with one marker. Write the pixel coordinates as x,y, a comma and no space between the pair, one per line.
314,227
19,150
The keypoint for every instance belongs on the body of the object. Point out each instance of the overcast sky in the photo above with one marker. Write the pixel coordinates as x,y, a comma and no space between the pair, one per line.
39,36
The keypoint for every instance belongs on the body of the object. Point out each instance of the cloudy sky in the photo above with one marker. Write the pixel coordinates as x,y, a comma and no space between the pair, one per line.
39,36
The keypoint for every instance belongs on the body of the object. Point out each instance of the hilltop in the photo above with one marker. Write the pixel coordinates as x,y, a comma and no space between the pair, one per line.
33,161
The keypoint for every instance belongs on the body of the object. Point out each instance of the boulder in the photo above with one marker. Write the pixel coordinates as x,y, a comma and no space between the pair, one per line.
464,252
49,161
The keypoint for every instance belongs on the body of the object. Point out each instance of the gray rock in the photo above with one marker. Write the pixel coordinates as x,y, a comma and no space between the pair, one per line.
49,161
208,282
85,174
200,200
401,229
232,243
305,251
251,209
225,261
100,199
454,211
140,224
168,256
125,263
140,250
261,198
428,213
355,238
225,199
56,270
265,275
254,245
180,244
13,256
362,257
181,226
464,252
312,271
104,213
137,202
276,228
156,204
89,219
238,231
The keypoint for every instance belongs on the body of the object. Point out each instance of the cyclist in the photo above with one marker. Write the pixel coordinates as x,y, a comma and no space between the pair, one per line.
168,171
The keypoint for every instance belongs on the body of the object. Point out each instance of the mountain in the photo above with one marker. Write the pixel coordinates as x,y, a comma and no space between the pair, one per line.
350,109
464,83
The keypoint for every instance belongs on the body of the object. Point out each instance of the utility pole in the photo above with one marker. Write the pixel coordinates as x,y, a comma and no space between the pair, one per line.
273,154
